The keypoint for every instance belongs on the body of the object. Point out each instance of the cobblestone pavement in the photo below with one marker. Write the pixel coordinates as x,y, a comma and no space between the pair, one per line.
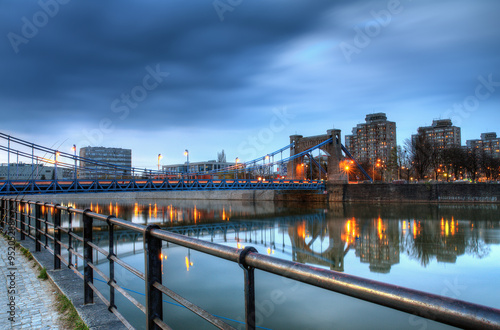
34,299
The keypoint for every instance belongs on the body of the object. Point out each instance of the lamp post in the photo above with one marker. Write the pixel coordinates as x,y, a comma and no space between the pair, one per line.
186,153
236,161
159,157
74,151
267,157
55,164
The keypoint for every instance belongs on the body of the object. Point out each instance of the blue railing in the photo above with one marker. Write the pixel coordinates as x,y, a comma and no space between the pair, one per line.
95,186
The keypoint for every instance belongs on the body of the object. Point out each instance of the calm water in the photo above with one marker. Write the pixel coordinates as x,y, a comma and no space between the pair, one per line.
451,250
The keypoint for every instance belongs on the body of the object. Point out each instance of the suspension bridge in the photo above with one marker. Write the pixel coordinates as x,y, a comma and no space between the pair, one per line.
301,170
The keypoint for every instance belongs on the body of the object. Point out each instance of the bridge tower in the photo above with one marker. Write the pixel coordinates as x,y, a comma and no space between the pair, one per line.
296,169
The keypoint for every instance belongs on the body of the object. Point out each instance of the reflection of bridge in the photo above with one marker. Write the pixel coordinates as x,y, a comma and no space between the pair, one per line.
75,174
332,257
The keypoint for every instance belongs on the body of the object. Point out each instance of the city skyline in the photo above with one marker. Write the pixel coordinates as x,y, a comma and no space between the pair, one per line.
242,77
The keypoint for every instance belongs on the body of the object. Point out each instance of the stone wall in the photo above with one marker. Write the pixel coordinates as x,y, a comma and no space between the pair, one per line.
424,192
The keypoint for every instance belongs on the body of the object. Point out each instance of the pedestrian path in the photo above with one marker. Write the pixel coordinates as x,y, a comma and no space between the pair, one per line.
27,302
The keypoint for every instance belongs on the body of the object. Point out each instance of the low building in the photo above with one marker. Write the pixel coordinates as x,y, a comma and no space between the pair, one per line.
197,167
22,171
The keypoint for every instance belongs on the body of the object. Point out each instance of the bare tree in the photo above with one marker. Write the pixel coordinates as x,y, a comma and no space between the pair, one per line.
420,153
221,157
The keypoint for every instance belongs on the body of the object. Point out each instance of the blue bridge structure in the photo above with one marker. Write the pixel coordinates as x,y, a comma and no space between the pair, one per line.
301,170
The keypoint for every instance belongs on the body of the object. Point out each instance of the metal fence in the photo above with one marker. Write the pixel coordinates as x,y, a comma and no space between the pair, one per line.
31,220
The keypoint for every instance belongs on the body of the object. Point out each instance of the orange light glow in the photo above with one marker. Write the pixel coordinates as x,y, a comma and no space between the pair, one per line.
301,230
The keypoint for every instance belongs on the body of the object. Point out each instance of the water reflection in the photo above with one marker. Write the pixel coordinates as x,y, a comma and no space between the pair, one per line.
377,235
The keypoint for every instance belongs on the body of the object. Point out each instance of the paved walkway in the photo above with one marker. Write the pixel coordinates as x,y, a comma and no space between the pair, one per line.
34,299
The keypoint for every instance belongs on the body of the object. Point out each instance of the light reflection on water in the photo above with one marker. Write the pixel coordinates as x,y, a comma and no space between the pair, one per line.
451,250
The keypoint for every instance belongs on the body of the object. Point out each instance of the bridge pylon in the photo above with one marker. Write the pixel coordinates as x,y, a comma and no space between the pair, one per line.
296,169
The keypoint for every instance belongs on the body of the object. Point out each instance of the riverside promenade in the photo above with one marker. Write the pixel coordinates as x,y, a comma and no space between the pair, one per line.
33,299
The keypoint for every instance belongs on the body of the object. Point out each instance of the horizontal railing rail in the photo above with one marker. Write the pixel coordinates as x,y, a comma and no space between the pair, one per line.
18,214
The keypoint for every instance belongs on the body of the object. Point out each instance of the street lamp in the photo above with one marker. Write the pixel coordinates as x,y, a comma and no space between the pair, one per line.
268,171
55,164
74,151
159,157
236,161
186,153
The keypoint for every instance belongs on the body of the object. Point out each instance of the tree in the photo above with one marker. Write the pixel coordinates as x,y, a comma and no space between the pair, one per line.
420,152
455,161
393,166
472,164
221,157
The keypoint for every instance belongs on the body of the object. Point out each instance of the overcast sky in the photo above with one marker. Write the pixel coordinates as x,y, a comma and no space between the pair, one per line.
241,75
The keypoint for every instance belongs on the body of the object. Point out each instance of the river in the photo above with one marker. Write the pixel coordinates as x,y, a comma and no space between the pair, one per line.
447,249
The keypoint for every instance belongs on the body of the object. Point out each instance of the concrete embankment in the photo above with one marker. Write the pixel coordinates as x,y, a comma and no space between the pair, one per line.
376,192
424,192
207,195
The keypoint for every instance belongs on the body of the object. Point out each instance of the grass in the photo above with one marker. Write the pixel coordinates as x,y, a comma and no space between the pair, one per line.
68,313
26,253
43,273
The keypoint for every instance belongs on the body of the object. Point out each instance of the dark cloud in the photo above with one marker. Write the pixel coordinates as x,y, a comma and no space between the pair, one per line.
79,67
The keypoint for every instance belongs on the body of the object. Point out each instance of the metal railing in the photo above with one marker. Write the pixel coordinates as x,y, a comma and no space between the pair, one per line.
93,186
19,213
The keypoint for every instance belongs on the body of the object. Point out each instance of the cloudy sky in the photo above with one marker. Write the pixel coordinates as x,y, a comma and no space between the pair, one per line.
241,75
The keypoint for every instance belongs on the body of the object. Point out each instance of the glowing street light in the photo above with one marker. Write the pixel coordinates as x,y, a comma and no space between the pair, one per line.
55,164
74,151
159,158
186,153
236,161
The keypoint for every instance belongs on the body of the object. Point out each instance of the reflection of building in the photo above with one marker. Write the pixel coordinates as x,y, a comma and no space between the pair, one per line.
121,158
378,245
441,134
489,144
33,172
372,140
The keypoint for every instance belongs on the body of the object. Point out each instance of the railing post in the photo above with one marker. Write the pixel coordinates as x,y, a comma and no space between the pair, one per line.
56,215
154,304
12,213
111,242
37,226
46,231
249,288
88,272
23,218
2,213
70,238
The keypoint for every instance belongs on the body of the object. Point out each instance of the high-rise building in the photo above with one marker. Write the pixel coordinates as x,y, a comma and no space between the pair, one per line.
121,158
372,140
489,144
442,134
